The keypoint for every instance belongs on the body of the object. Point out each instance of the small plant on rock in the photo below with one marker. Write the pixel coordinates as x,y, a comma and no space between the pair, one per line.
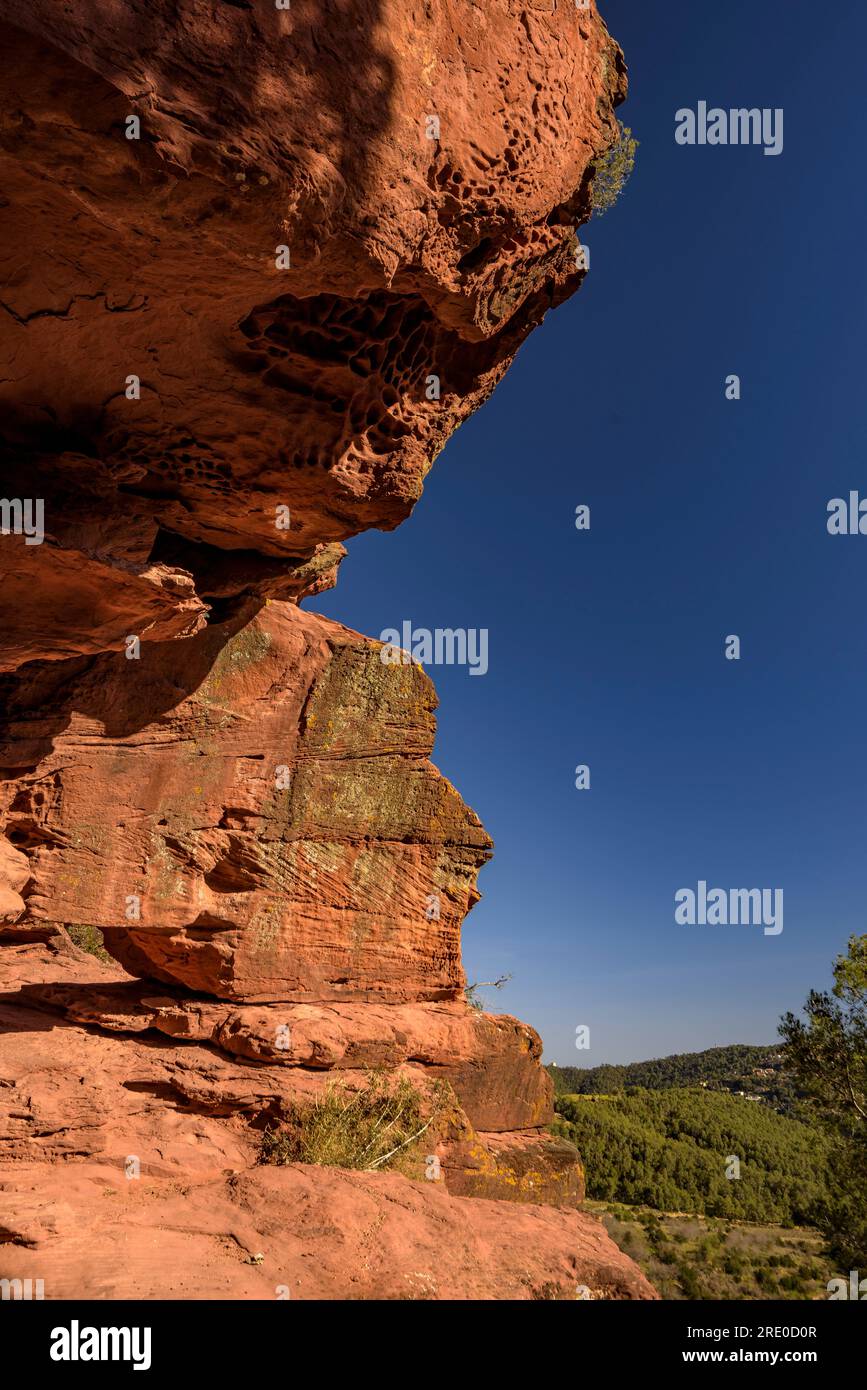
90,939
470,992
376,1127
611,170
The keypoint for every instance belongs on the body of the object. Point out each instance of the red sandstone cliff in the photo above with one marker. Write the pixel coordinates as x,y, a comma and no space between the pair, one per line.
228,344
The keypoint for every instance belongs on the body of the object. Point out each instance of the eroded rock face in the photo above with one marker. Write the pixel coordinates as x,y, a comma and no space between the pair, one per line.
94,1065
230,342
306,387
301,1232
250,813
81,1104
491,1061
259,265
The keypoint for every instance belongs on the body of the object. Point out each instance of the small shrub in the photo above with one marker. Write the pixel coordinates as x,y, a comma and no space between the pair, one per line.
688,1280
373,1128
90,939
611,171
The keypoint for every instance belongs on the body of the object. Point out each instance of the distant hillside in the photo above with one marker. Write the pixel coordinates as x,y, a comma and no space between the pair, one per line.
756,1071
675,1149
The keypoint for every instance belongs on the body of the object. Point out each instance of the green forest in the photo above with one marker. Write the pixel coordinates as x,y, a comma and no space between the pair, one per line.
754,1070
672,1150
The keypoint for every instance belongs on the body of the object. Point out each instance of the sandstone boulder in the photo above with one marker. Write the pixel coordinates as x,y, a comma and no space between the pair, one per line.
250,813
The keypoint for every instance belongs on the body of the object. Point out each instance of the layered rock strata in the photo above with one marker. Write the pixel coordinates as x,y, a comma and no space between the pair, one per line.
128,1170
250,813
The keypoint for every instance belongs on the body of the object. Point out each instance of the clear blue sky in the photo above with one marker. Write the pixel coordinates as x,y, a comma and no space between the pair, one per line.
708,518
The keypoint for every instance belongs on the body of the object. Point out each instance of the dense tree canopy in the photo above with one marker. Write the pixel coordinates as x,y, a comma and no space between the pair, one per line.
673,1149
